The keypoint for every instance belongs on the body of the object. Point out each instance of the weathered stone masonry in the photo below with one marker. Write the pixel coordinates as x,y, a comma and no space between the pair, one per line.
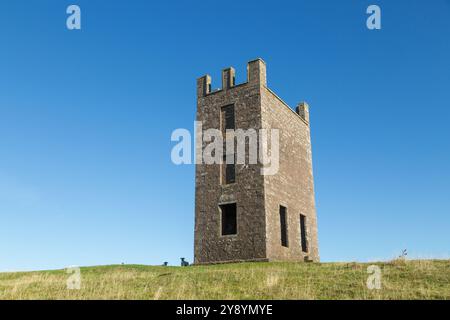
257,197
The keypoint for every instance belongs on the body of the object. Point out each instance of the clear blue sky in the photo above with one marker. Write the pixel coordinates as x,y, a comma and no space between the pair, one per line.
86,118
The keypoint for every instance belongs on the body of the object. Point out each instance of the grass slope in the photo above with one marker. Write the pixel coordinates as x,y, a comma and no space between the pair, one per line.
418,279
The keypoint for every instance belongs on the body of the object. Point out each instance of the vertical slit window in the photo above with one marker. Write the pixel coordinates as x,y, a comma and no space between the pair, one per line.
228,123
283,226
228,118
303,234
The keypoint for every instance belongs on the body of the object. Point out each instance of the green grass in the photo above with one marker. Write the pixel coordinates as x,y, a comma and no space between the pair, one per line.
416,279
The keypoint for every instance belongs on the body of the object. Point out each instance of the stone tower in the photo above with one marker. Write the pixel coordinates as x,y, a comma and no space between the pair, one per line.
240,213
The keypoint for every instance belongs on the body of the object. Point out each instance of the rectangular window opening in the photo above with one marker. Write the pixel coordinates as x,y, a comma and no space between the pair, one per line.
303,233
228,170
229,219
227,115
230,173
283,226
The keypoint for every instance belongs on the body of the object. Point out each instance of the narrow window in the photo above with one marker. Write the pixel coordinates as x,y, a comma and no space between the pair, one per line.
227,123
283,226
229,221
228,117
230,173
303,233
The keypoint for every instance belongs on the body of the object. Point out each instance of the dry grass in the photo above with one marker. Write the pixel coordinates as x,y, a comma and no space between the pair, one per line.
418,279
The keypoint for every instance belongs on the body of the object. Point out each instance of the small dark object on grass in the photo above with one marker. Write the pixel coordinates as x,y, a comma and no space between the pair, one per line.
184,263
165,263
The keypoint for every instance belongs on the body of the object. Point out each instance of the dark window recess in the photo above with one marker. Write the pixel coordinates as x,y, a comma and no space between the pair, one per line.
227,122
228,117
283,225
303,233
229,221
228,171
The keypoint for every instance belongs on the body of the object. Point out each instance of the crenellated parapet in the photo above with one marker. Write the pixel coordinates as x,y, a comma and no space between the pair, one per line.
256,75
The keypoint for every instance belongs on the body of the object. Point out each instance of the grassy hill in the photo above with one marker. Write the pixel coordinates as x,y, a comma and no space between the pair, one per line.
418,279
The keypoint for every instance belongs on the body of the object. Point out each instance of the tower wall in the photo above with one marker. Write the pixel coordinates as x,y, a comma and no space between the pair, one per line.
257,197
293,186
248,190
